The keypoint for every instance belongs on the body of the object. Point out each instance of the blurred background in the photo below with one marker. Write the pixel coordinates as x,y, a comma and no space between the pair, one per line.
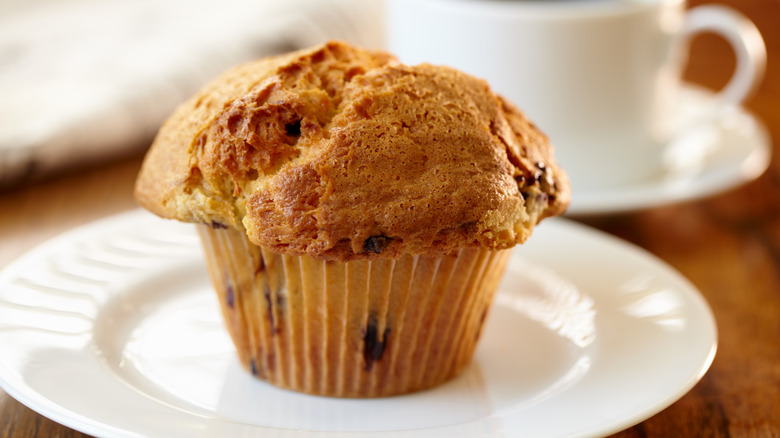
710,63
87,81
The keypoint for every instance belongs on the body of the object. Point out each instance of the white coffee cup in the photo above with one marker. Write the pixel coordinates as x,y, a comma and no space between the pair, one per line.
600,77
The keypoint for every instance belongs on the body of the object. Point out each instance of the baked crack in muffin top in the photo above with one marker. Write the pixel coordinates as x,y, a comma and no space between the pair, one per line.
342,153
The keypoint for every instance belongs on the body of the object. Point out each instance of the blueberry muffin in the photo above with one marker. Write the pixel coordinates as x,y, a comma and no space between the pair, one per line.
356,213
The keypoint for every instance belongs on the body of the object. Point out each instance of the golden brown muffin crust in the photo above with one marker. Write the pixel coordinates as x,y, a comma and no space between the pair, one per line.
343,153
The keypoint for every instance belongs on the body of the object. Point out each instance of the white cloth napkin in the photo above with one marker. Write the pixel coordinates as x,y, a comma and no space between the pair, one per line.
89,80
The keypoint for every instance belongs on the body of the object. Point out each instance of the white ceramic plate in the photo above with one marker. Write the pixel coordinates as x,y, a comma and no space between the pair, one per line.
708,158
112,329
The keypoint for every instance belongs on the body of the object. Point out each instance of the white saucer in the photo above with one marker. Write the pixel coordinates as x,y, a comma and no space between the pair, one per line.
112,329
711,158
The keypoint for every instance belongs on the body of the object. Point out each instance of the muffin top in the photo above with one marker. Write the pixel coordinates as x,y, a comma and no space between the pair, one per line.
342,153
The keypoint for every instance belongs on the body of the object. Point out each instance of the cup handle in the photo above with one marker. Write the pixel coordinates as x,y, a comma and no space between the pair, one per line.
744,38
691,132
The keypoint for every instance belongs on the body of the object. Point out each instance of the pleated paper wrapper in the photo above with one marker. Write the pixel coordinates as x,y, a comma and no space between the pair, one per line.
356,329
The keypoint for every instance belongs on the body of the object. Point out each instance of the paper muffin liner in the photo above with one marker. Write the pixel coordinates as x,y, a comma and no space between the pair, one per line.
355,329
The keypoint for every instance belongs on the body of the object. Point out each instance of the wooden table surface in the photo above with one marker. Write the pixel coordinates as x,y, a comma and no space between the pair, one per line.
728,245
